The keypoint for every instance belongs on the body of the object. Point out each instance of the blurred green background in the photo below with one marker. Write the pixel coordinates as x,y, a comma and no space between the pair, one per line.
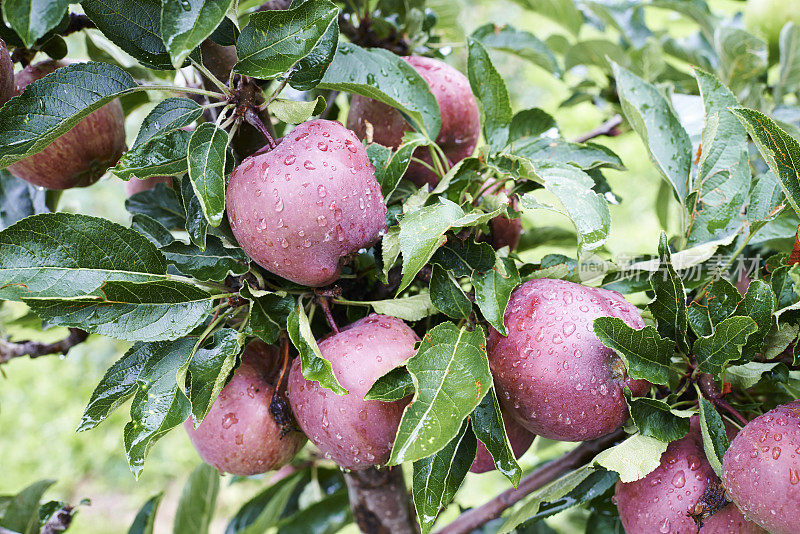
41,401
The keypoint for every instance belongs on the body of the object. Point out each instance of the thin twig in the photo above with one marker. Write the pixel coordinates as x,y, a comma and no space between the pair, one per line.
473,519
323,302
34,349
607,128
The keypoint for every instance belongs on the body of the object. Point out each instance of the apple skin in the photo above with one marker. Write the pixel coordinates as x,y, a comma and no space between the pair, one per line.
761,469
551,372
519,438
301,209
766,18
239,435
461,127
82,155
353,432
135,185
662,501
6,74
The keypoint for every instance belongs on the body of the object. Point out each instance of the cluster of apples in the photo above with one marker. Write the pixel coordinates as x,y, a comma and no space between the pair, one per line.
302,209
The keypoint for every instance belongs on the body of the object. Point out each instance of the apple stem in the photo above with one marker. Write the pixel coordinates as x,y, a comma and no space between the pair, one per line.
285,362
323,303
253,119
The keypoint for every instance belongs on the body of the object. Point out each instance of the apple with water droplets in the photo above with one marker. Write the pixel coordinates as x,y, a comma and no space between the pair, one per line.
761,469
239,434
662,501
519,438
82,155
353,432
461,126
551,372
6,74
301,209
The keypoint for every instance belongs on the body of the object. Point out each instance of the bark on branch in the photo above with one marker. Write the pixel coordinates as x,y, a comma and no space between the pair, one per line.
610,127
34,349
380,502
472,519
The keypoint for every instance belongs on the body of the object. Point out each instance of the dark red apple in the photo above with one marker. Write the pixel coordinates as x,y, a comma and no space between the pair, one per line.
135,185
662,501
6,74
551,372
353,432
239,435
761,469
461,126
82,155
303,208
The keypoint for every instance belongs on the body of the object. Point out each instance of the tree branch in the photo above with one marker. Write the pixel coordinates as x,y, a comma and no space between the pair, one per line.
34,349
59,521
379,500
472,519
610,128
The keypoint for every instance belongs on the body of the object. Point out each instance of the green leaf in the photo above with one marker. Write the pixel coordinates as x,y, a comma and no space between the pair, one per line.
652,118
296,111
766,200
264,510
585,156
447,295
383,76
51,106
209,370
529,506
31,19
722,300
145,518
493,290
134,26
186,23
18,199
328,515
656,419
586,209
207,151
21,512
147,311
563,12
465,258
715,439
451,376
742,56
530,123
437,477
669,303
169,115
391,166
789,78
273,42
519,42
268,313
394,385
489,428
646,353
595,486
758,304
725,344
745,376
197,502
195,220
780,150
214,263
723,178
422,232
634,458
160,204
148,373
313,365
408,308
310,70
58,255
491,92
164,155
700,319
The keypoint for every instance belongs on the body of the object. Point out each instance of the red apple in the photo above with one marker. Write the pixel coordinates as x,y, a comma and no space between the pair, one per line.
461,126
6,74
82,155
